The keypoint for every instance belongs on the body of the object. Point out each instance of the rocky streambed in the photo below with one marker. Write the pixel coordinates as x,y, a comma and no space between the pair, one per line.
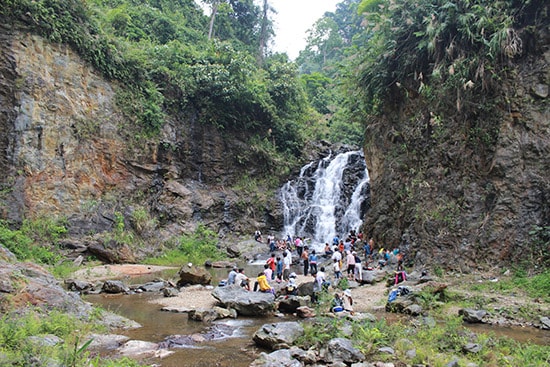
169,337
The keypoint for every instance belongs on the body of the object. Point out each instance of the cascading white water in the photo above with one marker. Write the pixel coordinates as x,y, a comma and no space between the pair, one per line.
327,199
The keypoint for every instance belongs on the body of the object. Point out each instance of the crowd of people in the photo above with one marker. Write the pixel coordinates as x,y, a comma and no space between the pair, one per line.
345,257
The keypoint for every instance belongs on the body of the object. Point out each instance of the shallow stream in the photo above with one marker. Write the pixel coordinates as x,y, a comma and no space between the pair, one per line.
232,344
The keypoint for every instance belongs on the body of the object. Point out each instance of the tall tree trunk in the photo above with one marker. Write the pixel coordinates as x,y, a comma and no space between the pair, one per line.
212,18
263,34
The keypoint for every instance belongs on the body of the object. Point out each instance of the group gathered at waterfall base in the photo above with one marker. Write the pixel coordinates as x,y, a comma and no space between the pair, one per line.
339,262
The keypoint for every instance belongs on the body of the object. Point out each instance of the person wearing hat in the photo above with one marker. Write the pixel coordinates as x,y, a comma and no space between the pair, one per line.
292,287
347,301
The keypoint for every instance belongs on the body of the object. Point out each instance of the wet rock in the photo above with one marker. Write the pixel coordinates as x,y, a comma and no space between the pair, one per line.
190,274
204,315
272,336
224,313
153,286
114,286
279,358
244,302
114,321
342,350
472,316
170,292
142,349
78,285
305,312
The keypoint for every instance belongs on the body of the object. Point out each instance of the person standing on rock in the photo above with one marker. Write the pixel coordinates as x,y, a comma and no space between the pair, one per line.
313,261
305,259
287,261
358,273
272,263
336,269
299,244
279,269
350,261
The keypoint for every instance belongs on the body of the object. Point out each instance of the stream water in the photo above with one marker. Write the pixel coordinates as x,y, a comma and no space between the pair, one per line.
233,346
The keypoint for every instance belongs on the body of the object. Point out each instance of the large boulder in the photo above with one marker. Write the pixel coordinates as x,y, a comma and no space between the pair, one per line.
277,335
24,285
244,302
289,304
342,350
190,274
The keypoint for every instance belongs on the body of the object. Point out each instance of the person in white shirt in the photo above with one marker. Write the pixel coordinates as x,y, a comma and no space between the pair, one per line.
287,261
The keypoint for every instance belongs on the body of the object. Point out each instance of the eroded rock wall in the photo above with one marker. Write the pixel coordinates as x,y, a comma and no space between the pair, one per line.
67,151
452,194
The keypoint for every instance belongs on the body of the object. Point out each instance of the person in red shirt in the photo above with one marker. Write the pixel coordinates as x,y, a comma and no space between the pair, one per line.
272,265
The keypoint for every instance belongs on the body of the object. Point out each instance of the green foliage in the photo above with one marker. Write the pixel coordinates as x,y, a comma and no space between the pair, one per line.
25,247
196,248
318,333
536,286
18,350
539,246
460,46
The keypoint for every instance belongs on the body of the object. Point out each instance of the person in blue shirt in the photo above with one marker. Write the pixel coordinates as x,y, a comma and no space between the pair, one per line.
231,276
313,262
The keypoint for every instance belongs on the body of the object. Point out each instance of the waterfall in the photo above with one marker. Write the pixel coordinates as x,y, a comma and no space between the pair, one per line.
328,198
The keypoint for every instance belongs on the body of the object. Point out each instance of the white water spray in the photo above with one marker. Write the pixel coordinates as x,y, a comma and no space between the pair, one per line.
327,199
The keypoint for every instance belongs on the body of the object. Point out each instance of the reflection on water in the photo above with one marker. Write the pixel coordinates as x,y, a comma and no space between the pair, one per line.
234,346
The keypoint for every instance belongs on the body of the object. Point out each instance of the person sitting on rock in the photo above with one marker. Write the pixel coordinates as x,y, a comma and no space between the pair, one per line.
242,280
347,301
231,276
292,287
258,235
328,251
263,284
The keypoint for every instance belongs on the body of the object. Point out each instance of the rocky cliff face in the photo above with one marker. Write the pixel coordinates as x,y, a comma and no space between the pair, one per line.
66,150
468,191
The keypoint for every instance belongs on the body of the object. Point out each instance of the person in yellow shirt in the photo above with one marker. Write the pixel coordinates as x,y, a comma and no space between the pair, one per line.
263,284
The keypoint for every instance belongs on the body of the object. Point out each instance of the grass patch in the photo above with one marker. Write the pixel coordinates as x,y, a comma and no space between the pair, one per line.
196,248
22,343
537,286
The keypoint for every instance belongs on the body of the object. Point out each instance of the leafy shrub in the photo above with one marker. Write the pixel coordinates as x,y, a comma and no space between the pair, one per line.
20,243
